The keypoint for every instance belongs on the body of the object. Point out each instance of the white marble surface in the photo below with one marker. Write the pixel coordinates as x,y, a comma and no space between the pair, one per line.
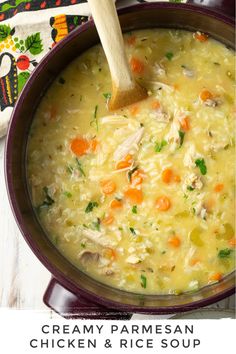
23,279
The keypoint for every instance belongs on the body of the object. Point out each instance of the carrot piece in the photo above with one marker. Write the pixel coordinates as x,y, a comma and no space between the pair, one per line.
108,219
205,95
79,146
134,195
116,204
137,66
156,104
122,164
131,40
185,125
167,175
201,37
163,203
136,178
128,158
108,186
218,187
174,241
94,145
134,109
215,277
110,253
177,178
232,242
194,261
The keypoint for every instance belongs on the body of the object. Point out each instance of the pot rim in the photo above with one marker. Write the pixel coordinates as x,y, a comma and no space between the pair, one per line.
69,284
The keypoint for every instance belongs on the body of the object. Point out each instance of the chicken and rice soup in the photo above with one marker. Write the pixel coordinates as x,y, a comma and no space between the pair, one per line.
142,198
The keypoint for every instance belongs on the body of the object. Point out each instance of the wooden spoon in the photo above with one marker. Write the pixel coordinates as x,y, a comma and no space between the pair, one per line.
125,90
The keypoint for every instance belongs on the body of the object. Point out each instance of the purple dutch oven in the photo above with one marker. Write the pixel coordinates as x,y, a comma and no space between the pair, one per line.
71,292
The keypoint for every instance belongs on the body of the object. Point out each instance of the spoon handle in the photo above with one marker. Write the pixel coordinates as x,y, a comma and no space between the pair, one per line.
108,27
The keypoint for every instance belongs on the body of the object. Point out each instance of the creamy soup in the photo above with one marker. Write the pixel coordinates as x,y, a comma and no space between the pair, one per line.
142,198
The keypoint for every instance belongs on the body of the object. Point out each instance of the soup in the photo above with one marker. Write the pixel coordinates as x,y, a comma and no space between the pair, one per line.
141,199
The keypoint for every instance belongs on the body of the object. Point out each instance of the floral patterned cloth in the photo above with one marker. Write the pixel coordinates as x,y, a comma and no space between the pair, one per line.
28,30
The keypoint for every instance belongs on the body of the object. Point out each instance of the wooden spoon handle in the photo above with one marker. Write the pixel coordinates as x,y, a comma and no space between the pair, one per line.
108,26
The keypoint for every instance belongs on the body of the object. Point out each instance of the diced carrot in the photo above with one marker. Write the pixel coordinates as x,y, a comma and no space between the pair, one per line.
185,125
232,242
128,158
174,241
205,95
201,37
163,203
116,204
218,187
94,145
107,220
134,195
156,104
108,186
137,178
167,175
80,146
194,261
134,109
131,40
122,164
215,277
177,178
110,253
137,66
53,113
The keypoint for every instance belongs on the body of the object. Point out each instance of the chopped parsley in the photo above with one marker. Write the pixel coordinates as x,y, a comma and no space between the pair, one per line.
80,167
48,201
107,95
200,163
90,207
95,120
159,146
67,194
132,230
134,209
61,80
169,55
224,253
131,172
82,245
69,169
96,224
190,188
181,136
143,281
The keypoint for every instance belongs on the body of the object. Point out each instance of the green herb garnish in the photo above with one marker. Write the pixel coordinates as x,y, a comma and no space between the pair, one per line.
143,281
61,80
80,167
95,120
224,253
107,95
169,55
67,194
48,201
134,209
181,136
82,245
96,224
190,188
132,230
90,207
202,166
159,146
69,169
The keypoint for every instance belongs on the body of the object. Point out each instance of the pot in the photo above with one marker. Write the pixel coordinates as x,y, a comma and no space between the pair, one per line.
71,292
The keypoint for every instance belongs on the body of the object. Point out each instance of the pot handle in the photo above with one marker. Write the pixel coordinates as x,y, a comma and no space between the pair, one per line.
70,305
226,7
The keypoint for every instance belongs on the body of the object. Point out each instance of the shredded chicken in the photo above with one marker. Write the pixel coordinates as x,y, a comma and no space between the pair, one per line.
187,72
128,144
159,69
132,259
211,102
160,116
115,119
97,237
190,157
193,181
200,210
173,136
89,257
